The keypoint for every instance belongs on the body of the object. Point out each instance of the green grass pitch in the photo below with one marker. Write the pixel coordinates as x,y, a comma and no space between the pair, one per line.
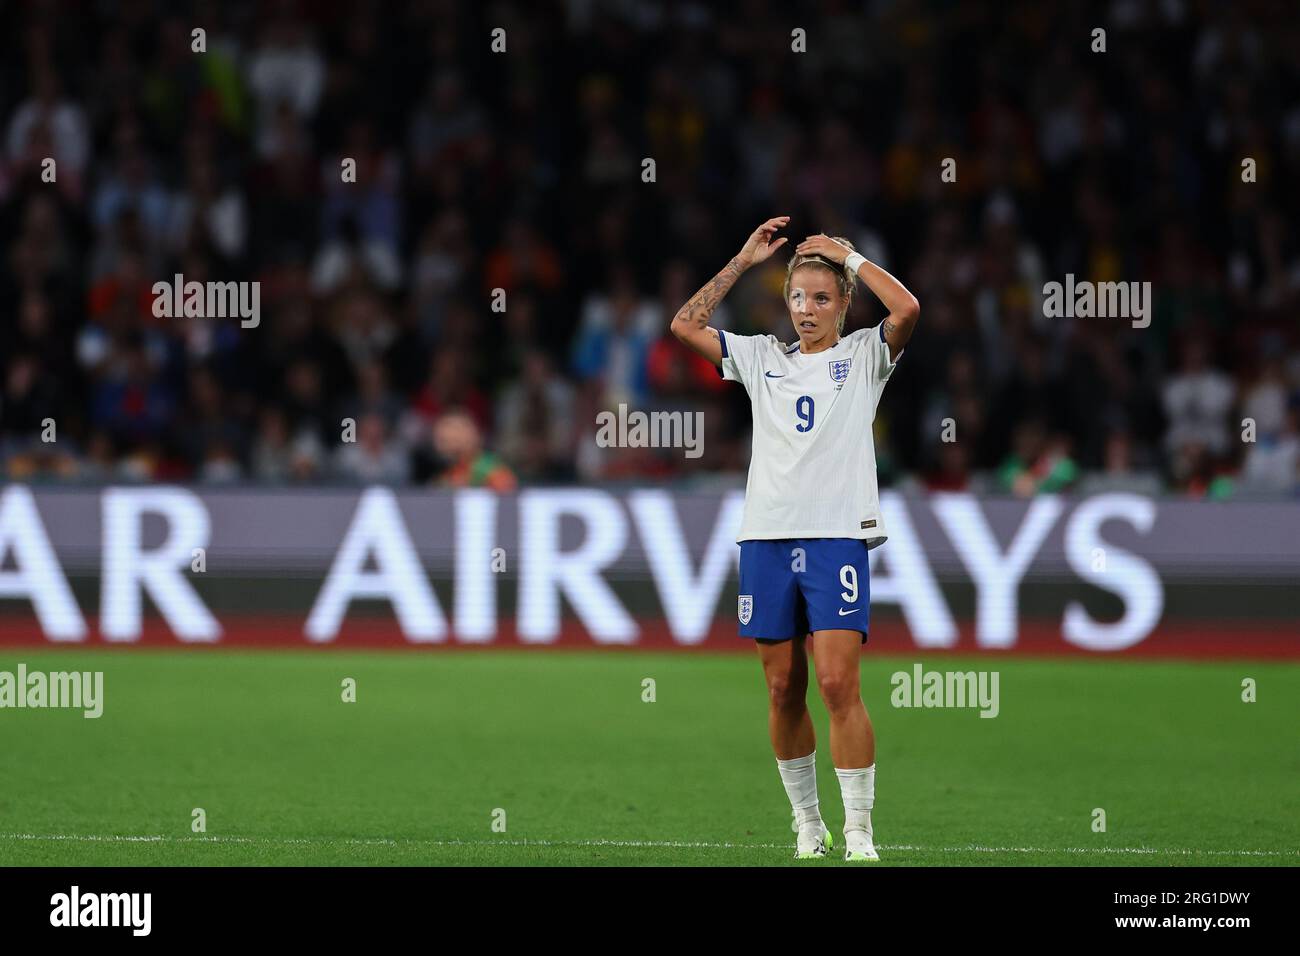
587,773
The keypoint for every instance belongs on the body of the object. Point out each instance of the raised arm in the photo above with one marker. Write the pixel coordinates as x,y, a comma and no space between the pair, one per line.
691,323
903,308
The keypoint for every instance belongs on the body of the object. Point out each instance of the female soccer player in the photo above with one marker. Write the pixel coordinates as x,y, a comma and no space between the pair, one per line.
812,509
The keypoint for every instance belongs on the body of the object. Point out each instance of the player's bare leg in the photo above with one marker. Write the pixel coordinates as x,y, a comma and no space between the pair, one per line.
785,668
836,656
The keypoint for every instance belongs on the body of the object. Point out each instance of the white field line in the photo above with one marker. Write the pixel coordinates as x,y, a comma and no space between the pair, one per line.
648,844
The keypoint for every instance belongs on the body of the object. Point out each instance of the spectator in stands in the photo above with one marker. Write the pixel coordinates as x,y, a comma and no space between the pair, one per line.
535,423
1197,401
374,456
465,464
1039,462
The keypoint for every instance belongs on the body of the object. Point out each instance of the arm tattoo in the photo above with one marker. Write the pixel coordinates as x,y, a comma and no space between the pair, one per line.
890,328
702,304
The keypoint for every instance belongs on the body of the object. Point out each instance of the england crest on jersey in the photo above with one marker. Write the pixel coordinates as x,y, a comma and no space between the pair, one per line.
839,369
745,608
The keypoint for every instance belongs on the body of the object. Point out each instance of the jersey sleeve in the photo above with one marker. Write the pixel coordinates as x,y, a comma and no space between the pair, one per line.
878,349
740,355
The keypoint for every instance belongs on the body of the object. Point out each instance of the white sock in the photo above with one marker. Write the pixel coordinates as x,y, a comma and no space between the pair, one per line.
858,787
800,778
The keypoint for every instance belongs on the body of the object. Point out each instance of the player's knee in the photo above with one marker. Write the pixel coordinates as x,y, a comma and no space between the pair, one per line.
839,691
786,694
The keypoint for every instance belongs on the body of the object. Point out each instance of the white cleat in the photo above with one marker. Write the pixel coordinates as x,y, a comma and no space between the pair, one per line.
814,842
858,847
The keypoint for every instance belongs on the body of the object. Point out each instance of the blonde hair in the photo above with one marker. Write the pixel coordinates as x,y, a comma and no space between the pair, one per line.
844,279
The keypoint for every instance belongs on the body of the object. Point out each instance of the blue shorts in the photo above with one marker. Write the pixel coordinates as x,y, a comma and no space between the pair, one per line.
795,586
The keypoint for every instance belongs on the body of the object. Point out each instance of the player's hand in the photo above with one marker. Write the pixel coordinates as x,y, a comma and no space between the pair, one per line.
760,245
820,245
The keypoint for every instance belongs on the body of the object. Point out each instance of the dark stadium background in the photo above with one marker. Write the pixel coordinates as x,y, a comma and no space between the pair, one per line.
521,171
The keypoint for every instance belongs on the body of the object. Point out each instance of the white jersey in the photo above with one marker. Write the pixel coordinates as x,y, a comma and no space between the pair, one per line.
812,468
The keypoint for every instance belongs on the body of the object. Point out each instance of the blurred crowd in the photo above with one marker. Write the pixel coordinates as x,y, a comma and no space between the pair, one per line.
501,270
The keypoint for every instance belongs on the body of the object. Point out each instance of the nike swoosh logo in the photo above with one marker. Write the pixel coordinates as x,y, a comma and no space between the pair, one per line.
854,611
770,375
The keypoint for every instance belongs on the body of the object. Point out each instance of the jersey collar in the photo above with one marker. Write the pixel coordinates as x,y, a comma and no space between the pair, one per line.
795,348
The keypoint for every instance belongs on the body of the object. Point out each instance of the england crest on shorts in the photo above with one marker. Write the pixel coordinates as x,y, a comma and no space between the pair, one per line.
839,369
745,608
